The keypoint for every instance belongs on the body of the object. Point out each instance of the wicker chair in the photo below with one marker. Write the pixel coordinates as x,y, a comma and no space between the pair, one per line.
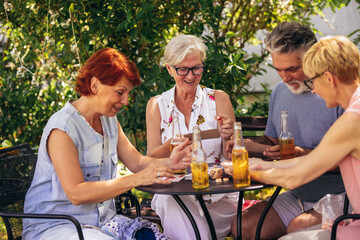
17,166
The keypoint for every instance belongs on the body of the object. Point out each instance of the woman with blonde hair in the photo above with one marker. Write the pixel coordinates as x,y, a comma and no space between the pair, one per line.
333,67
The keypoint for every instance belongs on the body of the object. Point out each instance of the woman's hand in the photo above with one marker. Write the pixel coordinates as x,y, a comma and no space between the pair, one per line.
257,164
254,164
155,173
225,126
228,149
228,167
180,157
166,148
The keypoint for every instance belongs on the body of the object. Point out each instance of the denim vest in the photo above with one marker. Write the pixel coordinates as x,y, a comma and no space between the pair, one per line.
98,160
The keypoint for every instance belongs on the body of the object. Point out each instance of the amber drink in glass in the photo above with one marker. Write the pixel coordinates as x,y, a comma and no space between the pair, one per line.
199,167
239,157
286,140
176,140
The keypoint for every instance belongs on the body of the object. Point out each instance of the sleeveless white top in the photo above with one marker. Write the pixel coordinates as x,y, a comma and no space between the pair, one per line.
203,115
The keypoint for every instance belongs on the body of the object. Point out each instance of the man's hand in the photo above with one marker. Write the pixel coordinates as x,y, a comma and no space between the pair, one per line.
273,152
299,151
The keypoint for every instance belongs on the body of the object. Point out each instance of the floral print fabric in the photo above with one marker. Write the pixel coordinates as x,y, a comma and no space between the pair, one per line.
203,115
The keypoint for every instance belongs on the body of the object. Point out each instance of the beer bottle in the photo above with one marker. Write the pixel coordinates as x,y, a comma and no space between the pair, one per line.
199,167
286,140
176,139
239,157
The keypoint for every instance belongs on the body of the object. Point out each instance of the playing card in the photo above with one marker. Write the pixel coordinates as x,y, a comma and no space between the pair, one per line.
176,178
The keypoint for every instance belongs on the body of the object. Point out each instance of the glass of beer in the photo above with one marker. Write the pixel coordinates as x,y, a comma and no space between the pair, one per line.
241,176
199,166
286,140
287,148
176,140
200,176
239,157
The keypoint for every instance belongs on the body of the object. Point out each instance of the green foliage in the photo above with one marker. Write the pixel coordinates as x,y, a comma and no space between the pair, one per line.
141,195
2,230
357,38
261,194
260,107
47,41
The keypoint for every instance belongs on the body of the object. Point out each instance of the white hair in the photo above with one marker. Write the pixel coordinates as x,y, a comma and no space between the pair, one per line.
180,46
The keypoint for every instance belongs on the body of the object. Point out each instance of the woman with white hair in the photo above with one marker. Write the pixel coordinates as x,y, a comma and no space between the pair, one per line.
184,59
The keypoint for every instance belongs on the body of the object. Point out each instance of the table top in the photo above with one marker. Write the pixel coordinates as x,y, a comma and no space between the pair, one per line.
184,187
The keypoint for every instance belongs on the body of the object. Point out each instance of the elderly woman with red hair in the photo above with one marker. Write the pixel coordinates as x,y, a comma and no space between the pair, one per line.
78,154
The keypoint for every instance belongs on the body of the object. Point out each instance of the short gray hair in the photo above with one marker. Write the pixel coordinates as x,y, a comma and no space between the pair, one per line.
180,46
289,37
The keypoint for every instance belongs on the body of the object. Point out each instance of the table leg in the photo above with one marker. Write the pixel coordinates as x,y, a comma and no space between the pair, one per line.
239,215
207,216
188,214
265,211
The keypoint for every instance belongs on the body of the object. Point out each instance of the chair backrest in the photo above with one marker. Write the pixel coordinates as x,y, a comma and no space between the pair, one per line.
252,127
256,123
17,166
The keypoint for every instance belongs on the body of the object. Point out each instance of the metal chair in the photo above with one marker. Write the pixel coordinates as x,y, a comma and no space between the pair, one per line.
342,217
17,166
125,202
255,123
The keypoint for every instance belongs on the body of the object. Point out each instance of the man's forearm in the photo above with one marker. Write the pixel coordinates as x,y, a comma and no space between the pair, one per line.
264,140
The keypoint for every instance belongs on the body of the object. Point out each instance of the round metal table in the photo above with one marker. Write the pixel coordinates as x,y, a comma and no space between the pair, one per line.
184,187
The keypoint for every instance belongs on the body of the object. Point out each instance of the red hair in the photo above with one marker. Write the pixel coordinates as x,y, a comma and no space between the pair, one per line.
109,66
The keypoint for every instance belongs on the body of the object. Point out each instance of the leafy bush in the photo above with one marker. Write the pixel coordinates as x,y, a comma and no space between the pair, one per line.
43,44
46,42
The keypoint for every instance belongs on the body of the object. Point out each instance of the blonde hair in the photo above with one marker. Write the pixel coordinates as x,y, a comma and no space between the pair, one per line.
336,54
180,46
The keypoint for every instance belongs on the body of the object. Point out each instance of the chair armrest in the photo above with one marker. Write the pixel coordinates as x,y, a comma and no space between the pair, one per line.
338,220
128,196
44,216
